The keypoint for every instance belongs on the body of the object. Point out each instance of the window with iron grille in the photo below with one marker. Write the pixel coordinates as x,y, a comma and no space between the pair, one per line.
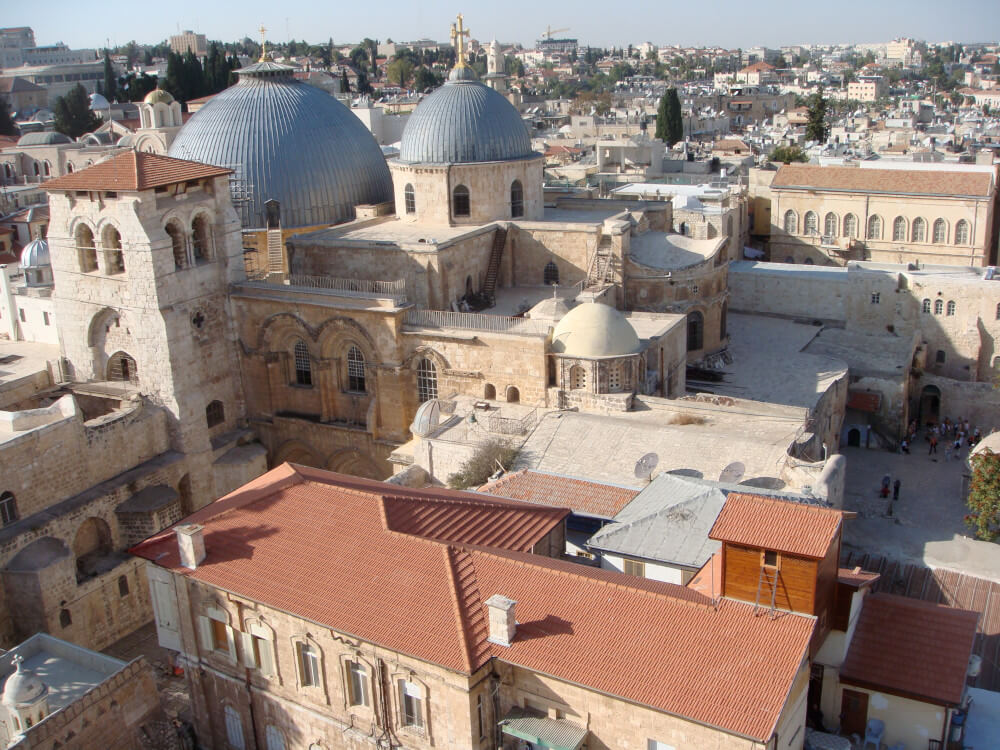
460,201
516,199
426,380
355,370
410,199
8,508
303,364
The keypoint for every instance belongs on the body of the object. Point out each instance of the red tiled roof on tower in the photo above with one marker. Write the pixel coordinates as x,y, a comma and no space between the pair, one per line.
912,648
782,525
338,550
133,171
579,495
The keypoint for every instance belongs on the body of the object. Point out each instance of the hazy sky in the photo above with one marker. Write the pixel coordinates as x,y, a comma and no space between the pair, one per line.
598,22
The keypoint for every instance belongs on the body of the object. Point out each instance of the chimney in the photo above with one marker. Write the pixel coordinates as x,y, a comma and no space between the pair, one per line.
191,544
503,626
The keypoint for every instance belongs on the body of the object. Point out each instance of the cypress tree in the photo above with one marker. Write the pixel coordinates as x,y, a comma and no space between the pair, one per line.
110,79
72,113
7,126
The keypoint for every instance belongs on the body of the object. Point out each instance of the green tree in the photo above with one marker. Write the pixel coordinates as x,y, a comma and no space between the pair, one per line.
110,79
816,127
345,83
424,78
984,496
399,71
669,125
490,456
72,113
788,154
7,126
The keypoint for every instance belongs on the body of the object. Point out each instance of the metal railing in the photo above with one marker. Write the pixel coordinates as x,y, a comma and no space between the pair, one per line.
510,426
476,322
395,290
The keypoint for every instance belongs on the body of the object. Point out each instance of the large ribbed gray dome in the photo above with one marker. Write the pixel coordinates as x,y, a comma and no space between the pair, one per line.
290,142
464,121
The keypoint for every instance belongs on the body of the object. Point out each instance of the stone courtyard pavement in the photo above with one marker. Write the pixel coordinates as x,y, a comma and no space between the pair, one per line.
173,689
926,525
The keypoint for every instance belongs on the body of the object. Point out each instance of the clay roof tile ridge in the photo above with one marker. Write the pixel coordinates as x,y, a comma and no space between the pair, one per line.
449,554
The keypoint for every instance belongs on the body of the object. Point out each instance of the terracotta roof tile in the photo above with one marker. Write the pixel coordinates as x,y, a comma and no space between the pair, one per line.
321,546
856,577
134,170
889,181
782,525
579,495
911,647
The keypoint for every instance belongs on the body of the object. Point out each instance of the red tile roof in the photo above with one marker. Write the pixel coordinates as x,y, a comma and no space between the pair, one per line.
856,577
782,525
887,181
912,648
579,495
757,67
320,546
133,171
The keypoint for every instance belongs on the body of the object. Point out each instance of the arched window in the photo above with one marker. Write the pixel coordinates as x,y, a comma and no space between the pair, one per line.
899,229
410,199
275,738
86,249
65,618
215,413
355,370
811,224
303,364
516,199
177,244
8,508
851,226
121,367
809,261
461,205
918,232
722,321
234,729
490,392
47,169
34,168
513,395
998,311
875,227
201,239
830,223
938,306
696,326
940,232
577,378
550,274
427,380
122,586
114,258
7,171
950,310
791,222
91,546
962,232
925,306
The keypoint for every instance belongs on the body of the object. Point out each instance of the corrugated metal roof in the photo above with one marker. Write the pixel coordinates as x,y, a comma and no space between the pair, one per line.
541,730
464,121
290,142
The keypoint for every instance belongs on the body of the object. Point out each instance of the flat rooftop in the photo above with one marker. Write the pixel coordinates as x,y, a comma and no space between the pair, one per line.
596,215
884,355
773,362
391,232
21,359
605,448
671,252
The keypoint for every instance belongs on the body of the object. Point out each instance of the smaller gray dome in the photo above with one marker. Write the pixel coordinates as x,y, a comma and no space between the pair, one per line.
48,138
427,418
98,101
36,255
23,687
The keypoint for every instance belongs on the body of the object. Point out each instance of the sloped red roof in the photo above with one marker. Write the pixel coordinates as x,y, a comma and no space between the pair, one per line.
579,495
757,67
782,525
321,546
132,171
856,577
910,647
885,181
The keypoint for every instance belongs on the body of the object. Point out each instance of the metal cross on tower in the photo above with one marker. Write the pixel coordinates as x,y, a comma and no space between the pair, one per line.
263,43
458,35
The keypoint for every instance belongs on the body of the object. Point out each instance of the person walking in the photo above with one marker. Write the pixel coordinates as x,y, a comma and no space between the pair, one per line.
895,490
905,446
934,442
886,481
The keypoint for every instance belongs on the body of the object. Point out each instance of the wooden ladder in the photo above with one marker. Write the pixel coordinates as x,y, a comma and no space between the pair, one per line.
275,253
769,575
493,269
600,271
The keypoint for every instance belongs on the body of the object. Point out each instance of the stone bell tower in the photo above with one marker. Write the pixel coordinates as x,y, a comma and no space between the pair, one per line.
143,249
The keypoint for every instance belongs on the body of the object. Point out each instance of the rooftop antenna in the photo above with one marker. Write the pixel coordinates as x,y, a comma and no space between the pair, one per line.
645,465
733,473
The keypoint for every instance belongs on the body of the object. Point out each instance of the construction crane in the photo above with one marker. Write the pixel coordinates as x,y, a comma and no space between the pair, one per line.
549,31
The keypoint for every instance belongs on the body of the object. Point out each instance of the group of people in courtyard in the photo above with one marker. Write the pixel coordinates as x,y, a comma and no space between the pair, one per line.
953,435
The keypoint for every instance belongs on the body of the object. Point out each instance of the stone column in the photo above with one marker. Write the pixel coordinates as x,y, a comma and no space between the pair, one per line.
277,377
326,376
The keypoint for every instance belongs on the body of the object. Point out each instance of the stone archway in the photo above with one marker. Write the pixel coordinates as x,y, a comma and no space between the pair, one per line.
854,437
296,452
350,461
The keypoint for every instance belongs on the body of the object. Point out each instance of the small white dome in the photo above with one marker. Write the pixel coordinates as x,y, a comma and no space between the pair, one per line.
98,101
594,330
36,254
23,687
427,418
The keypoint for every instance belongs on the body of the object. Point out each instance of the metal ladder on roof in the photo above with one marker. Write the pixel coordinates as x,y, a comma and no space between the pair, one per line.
275,251
770,575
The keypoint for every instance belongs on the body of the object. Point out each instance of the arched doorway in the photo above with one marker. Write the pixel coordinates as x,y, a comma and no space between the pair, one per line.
513,395
854,437
490,392
91,544
930,404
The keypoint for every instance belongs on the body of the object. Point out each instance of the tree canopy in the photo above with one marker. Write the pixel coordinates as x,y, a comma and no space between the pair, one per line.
7,126
788,154
669,125
482,464
816,127
110,79
984,496
72,113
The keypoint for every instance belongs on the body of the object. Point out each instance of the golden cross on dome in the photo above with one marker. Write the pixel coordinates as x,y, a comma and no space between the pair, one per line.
263,43
458,35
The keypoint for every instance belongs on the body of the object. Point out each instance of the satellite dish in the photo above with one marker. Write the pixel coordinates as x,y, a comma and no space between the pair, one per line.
645,465
733,473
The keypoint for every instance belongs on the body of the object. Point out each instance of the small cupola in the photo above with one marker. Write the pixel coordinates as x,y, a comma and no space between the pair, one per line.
25,697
